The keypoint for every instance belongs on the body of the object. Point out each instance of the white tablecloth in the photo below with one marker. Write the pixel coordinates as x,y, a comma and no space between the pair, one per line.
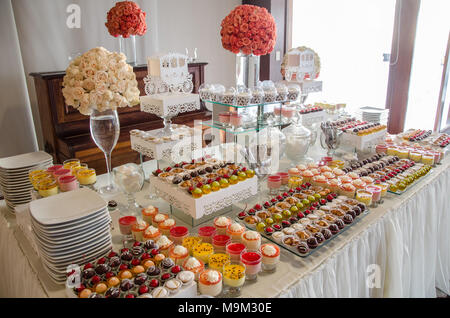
407,237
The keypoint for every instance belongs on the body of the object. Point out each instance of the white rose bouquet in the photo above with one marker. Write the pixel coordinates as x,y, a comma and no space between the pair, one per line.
100,80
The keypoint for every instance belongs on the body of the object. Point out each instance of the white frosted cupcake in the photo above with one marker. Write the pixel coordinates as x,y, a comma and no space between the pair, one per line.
210,283
251,240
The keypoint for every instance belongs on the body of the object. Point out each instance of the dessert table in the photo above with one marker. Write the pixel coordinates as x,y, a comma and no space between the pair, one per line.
400,249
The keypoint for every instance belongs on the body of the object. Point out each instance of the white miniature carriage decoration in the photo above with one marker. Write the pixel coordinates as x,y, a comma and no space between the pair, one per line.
301,63
168,73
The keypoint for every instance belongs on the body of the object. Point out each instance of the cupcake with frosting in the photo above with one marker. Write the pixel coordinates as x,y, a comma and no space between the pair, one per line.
194,265
347,189
148,213
152,233
320,180
328,175
301,167
307,175
359,184
324,169
164,244
338,172
345,179
334,185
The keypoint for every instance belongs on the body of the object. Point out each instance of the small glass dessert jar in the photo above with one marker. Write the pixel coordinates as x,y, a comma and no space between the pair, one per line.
235,231
428,158
270,257
347,189
284,179
274,184
125,225
252,240
364,197
148,213
381,148
252,261
152,233
257,95
233,278
224,119
33,173
229,97
210,283
243,98
217,93
234,249
217,260
203,251
54,168
220,242
288,112
179,254
376,194
293,92
190,241
235,120
137,229
178,233
206,233
86,176
71,164
166,225
205,91
159,218
194,265
47,187
282,92
68,183
164,245
62,173
221,224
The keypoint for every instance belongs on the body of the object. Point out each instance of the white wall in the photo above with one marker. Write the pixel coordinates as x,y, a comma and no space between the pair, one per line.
47,43
17,130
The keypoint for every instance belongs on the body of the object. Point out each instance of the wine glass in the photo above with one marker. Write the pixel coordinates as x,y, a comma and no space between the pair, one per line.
195,55
130,180
105,130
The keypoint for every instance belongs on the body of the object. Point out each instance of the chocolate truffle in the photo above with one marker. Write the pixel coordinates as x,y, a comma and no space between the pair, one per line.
140,279
340,224
357,210
153,271
137,251
102,269
352,213
126,285
167,263
327,233
88,273
150,245
312,242
303,248
126,256
112,293
319,237
114,261
348,219
177,180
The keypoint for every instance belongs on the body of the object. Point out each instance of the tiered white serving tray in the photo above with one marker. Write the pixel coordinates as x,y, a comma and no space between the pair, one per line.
207,204
70,228
14,180
169,104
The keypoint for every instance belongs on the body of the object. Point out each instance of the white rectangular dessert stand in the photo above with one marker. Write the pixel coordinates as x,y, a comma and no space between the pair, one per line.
363,143
169,104
207,204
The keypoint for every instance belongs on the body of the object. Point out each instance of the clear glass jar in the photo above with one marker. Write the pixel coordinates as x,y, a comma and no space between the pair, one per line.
298,140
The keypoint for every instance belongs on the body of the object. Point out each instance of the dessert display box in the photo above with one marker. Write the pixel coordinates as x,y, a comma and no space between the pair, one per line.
163,148
363,142
207,204
169,104
313,118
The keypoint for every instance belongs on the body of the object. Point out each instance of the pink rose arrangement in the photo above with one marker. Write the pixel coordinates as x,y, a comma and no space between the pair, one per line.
125,19
249,29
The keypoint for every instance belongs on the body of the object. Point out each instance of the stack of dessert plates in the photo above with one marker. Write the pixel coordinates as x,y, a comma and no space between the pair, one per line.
14,180
374,115
70,228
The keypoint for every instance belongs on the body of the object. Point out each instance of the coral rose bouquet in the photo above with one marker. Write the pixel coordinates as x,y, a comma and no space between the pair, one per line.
100,80
249,29
126,19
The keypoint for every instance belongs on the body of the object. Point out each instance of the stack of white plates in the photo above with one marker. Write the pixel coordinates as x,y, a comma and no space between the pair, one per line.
70,228
14,180
374,115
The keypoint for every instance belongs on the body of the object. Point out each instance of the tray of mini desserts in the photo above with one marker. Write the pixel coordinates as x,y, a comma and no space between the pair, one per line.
388,172
359,134
168,259
426,137
204,186
304,219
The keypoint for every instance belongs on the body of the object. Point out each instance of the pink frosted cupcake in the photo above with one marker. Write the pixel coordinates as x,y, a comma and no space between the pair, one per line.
353,175
334,185
302,167
313,165
359,184
367,180
345,179
347,189
307,175
315,172
294,172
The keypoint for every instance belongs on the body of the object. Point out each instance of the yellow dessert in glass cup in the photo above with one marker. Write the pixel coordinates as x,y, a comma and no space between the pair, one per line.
203,251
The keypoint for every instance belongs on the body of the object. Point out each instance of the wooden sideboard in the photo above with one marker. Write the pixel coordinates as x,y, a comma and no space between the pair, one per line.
66,132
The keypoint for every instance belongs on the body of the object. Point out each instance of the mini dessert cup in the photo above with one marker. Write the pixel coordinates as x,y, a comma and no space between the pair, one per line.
274,184
148,213
233,278
270,257
257,95
179,254
164,245
194,265
178,233
152,233
159,218
252,240
243,98
173,285
166,225
87,176
234,231
234,249
210,283
61,173
68,183
217,260
229,97
125,225
71,164
219,242
190,241
186,277
364,196
376,194
252,261
347,189
206,233
224,119
203,251
221,224
138,229
47,187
